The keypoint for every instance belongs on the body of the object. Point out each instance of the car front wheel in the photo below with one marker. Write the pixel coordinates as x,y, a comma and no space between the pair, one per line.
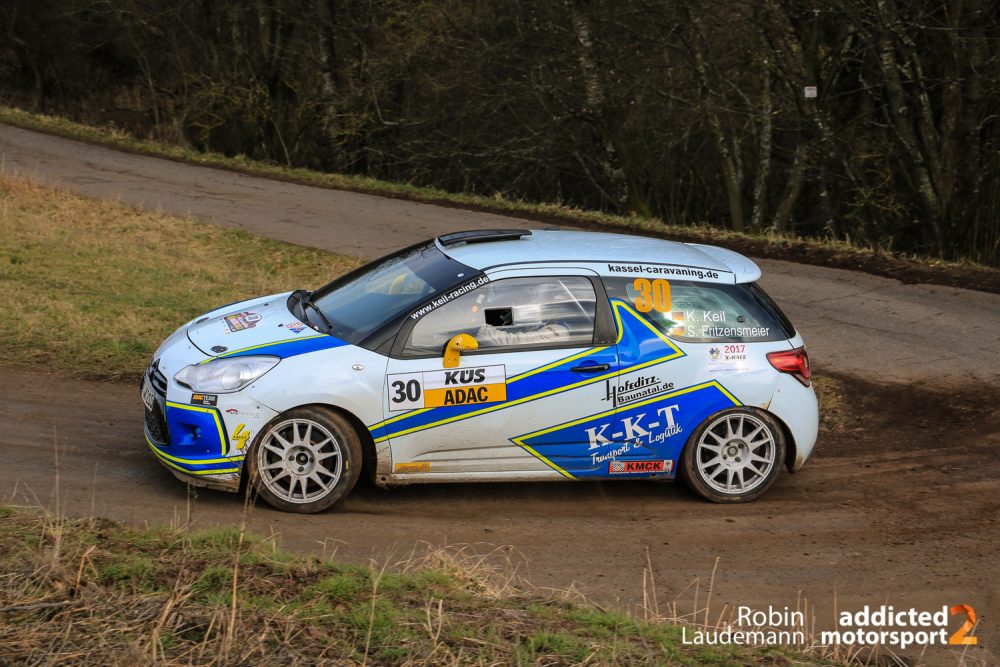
734,456
305,460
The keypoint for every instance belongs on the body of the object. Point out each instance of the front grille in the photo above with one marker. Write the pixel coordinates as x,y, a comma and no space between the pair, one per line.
156,424
157,379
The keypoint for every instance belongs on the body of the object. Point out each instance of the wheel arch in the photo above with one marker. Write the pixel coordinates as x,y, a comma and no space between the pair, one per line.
369,455
791,448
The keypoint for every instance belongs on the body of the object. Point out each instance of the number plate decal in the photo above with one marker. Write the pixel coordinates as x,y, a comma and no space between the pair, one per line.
443,388
148,397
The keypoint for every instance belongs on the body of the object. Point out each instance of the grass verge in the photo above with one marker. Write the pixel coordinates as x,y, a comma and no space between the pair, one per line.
821,252
93,592
91,287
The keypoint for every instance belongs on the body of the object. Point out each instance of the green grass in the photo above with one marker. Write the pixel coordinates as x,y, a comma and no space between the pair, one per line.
95,592
91,287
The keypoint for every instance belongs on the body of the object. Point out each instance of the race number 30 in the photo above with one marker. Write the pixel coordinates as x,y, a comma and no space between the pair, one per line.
448,387
652,295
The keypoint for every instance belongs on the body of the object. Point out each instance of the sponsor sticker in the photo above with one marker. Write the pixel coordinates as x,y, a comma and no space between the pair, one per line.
644,429
728,358
449,296
205,399
443,388
627,467
241,321
666,271
295,327
240,436
625,391
148,397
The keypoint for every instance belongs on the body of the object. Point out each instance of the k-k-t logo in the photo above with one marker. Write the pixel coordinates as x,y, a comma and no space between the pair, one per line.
637,428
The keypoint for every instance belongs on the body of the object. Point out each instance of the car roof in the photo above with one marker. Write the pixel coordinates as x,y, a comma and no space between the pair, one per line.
605,253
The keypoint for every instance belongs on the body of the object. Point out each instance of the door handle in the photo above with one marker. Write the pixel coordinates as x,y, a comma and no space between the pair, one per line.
590,368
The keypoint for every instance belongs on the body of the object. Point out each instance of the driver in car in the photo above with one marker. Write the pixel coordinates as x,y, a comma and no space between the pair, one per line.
535,324
546,333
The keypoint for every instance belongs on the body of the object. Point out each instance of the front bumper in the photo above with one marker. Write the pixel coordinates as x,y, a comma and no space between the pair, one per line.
202,444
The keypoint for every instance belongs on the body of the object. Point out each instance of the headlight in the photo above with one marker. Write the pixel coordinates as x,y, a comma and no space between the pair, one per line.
223,376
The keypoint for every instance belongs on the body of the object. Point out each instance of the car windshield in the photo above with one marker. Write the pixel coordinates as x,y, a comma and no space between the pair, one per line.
360,302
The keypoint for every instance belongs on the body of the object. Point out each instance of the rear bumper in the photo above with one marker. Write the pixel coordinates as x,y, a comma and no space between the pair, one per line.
797,407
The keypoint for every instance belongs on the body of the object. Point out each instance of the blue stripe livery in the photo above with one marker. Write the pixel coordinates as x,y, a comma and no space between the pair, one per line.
639,345
286,348
653,430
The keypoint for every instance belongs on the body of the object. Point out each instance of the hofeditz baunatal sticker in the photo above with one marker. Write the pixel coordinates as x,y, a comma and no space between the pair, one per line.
444,388
625,391
204,399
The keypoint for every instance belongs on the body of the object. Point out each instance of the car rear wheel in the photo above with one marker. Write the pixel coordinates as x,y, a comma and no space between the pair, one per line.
734,456
305,460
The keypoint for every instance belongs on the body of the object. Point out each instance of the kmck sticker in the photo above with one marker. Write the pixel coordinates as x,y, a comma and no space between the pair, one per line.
438,389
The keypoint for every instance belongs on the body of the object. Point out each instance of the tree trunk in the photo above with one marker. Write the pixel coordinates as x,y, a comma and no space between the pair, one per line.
790,196
764,132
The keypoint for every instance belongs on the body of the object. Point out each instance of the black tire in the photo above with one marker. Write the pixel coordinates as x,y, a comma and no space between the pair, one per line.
739,438
305,460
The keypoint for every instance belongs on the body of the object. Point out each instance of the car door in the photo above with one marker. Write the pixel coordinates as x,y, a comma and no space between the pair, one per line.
544,356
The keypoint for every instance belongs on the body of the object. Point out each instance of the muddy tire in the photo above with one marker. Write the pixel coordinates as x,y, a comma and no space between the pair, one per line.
305,460
734,456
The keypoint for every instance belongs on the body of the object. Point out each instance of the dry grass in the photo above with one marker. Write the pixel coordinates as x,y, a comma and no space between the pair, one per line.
833,403
91,592
91,287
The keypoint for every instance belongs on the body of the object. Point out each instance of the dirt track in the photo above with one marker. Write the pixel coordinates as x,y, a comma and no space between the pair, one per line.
900,503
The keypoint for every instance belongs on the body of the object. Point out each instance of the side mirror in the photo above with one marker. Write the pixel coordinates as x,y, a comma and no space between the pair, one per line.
454,348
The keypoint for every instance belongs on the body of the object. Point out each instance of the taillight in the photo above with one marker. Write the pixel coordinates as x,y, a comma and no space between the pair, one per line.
794,362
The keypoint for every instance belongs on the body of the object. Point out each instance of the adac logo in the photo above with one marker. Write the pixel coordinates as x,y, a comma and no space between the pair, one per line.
443,388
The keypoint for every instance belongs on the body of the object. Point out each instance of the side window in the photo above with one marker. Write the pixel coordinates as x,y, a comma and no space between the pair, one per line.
512,313
703,312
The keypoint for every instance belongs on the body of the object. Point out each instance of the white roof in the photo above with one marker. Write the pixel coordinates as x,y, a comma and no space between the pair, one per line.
609,254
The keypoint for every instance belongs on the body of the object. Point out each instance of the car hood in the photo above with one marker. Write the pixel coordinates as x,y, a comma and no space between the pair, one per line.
257,323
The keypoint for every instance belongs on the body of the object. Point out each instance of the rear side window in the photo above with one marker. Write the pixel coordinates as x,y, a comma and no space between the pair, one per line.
704,312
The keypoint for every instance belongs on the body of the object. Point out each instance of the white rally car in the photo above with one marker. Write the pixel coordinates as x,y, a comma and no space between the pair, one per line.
500,355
